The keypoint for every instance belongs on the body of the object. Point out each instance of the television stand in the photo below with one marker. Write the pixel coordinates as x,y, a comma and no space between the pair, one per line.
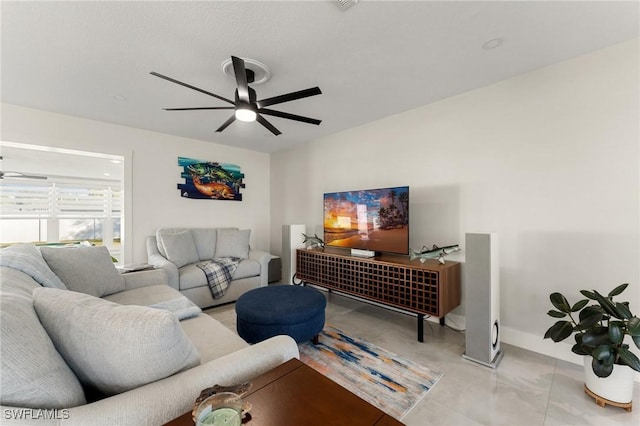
428,288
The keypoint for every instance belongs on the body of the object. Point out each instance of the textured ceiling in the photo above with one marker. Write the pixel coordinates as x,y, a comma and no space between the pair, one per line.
372,60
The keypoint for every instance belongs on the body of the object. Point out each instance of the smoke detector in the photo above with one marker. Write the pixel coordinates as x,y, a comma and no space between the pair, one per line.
261,72
346,4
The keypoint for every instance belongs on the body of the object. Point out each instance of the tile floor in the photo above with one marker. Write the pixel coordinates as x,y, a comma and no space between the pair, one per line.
526,389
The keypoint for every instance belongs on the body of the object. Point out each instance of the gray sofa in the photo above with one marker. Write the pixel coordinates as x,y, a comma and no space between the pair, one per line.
83,345
177,251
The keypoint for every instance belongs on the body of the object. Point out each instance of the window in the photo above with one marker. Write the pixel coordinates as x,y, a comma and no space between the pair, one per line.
48,208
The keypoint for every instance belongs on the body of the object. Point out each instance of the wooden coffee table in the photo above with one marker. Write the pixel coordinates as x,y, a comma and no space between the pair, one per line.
294,394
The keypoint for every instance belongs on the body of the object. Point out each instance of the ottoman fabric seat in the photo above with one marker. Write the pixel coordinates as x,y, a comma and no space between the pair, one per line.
284,309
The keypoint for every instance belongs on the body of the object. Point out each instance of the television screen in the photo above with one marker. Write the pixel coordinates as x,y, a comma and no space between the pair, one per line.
371,219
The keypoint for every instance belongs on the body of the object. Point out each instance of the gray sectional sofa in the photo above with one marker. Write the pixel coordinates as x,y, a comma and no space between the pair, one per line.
177,251
82,344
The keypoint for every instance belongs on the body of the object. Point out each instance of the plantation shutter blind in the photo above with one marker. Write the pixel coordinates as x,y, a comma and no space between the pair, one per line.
49,200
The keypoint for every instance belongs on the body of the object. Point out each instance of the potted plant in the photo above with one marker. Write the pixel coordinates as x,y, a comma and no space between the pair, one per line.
599,331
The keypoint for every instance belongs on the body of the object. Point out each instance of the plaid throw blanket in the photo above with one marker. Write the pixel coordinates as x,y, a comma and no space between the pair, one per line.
219,272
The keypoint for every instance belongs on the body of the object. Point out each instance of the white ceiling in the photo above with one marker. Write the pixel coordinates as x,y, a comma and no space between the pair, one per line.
58,165
375,59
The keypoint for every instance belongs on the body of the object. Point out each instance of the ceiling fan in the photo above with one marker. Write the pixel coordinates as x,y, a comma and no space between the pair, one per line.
246,106
12,174
20,175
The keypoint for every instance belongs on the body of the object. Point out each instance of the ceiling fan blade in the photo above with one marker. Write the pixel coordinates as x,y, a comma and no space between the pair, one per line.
289,116
289,97
194,109
21,175
173,80
226,123
268,125
241,79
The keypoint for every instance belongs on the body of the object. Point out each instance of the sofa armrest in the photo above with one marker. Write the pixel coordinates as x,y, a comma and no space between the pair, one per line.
166,399
155,258
144,278
263,258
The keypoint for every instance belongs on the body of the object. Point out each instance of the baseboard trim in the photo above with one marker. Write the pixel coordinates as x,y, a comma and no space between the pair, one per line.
511,336
535,343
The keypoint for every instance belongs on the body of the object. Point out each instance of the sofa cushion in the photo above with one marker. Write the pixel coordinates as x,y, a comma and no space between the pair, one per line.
110,347
85,269
205,239
160,232
27,258
180,248
216,342
247,268
145,296
233,243
158,297
159,241
191,276
34,375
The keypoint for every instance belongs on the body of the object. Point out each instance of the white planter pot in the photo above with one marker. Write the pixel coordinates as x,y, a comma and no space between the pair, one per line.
618,387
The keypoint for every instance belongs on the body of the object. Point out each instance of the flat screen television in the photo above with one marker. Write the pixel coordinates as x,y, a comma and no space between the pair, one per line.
370,219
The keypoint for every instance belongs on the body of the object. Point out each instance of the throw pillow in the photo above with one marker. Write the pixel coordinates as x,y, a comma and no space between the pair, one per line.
34,375
27,258
180,248
233,243
85,269
205,239
162,231
111,347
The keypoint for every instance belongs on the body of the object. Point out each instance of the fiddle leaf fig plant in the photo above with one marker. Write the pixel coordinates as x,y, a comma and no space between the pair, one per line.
599,329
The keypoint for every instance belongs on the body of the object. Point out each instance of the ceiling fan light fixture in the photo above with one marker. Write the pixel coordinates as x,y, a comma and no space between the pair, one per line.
245,114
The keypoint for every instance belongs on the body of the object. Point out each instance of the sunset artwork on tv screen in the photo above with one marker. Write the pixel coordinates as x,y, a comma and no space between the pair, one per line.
372,219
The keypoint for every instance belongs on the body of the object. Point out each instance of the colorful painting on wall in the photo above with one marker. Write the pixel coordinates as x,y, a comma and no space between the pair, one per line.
210,180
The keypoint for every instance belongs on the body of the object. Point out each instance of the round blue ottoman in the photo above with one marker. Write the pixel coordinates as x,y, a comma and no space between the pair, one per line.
282,309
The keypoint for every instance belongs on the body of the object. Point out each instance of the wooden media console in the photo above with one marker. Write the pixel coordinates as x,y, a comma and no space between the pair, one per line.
428,288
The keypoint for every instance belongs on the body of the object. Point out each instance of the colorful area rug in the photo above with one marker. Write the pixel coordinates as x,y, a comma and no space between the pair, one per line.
380,377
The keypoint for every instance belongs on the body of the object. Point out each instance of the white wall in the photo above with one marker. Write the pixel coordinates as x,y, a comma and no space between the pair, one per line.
549,160
154,173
